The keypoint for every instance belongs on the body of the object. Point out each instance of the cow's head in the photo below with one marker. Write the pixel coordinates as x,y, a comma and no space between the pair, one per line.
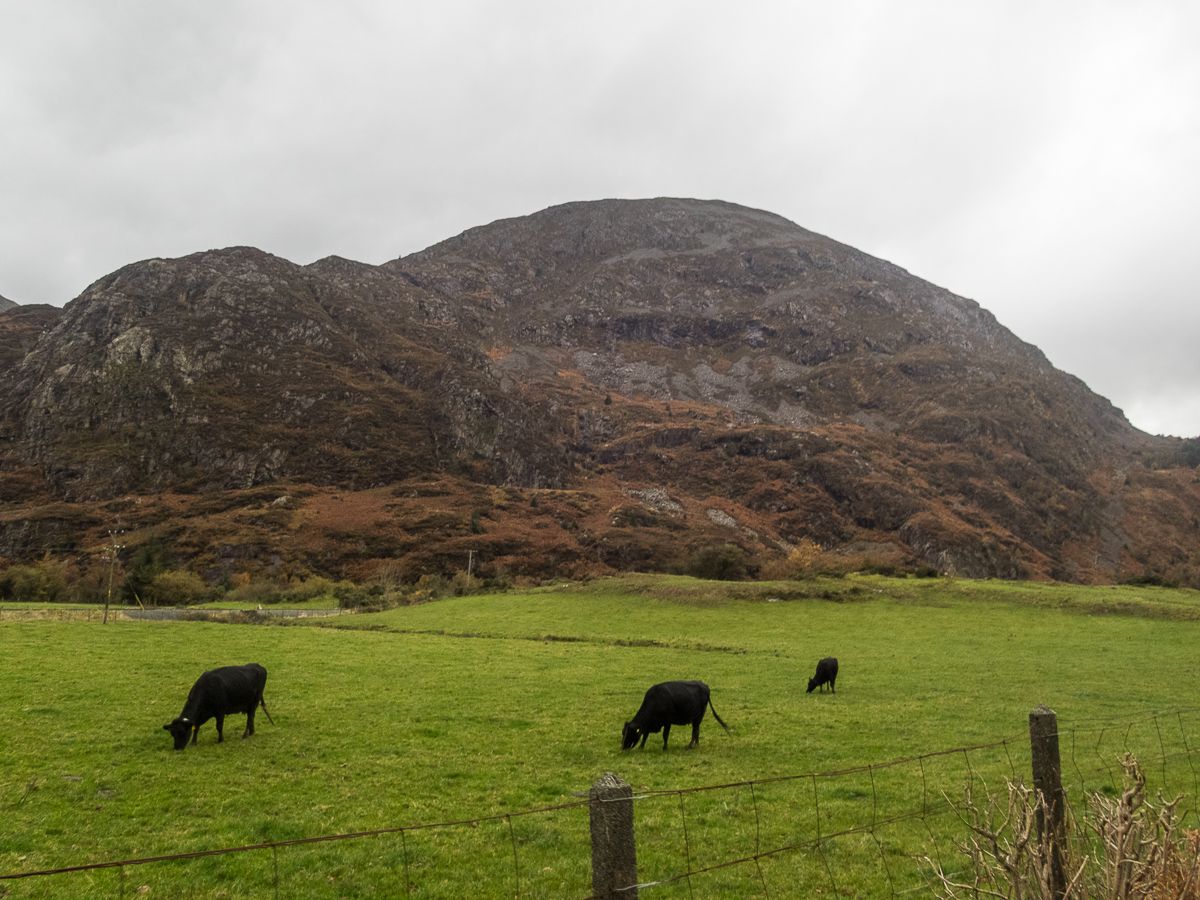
812,683
630,735
181,730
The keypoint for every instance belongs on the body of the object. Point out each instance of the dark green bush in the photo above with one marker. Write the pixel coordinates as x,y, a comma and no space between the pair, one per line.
718,563
1151,580
884,570
150,560
43,583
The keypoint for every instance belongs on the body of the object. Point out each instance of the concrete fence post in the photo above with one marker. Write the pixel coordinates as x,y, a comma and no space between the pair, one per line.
614,855
1050,815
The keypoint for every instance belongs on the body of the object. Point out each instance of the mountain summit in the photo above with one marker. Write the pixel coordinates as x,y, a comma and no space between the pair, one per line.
667,375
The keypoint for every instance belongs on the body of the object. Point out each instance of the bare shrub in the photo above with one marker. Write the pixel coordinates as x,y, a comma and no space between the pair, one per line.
1123,849
388,578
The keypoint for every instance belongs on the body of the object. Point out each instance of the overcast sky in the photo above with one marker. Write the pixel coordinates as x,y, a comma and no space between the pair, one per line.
1041,158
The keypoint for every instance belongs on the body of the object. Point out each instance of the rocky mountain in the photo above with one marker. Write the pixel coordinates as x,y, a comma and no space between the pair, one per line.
598,386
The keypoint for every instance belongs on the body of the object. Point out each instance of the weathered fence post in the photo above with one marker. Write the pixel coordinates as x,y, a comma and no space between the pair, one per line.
1050,813
614,855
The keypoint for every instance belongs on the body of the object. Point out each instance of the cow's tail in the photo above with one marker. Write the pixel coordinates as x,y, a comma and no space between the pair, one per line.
263,700
715,716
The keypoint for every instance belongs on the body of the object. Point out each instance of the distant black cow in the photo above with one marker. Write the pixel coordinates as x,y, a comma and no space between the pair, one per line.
219,693
826,674
667,704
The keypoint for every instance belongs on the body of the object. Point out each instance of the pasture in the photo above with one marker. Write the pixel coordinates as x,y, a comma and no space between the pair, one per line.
478,707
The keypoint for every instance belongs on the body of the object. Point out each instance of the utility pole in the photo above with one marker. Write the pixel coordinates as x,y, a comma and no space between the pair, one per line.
112,549
470,565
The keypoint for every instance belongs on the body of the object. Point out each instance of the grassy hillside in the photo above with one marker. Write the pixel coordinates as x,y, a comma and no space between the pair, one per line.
488,705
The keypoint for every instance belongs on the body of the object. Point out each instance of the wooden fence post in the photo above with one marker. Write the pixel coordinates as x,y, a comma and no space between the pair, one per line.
614,855
1050,813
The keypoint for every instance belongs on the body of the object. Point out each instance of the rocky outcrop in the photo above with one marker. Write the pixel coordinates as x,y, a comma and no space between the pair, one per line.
678,349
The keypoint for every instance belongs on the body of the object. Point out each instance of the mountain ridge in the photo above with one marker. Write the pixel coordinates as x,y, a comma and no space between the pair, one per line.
722,357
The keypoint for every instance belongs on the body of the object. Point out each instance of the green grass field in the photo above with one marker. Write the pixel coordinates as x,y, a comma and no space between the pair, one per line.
478,707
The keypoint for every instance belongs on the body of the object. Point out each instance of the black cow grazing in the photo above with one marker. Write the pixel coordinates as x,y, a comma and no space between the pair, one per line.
219,693
667,704
826,675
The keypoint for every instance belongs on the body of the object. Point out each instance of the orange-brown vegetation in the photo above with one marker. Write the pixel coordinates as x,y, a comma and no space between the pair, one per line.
627,385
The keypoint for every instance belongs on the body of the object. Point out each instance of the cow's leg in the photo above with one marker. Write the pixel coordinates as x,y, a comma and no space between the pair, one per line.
220,728
695,735
666,734
195,734
249,724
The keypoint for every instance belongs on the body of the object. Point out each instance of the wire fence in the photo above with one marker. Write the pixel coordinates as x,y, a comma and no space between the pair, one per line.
858,831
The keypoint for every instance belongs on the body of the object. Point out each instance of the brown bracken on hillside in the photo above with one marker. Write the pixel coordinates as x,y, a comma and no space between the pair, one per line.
598,387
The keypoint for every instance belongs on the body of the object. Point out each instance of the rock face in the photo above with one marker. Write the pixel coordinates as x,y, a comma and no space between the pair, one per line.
691,301
20,328
668,349
234,368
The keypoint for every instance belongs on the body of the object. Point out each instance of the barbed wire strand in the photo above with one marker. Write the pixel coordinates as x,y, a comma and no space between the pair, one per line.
818,842
835,773
293,842
1110,720
926,812
813,844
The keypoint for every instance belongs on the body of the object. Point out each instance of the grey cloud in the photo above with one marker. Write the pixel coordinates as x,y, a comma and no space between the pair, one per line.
1036,158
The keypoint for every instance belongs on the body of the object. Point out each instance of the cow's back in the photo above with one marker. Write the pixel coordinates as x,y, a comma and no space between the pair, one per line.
676,702
243,685
226,690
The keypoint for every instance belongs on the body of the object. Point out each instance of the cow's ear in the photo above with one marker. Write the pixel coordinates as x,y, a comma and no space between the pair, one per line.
167,727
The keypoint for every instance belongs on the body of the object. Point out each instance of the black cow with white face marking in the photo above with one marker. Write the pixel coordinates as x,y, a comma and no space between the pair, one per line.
667,704
219,693
826,675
